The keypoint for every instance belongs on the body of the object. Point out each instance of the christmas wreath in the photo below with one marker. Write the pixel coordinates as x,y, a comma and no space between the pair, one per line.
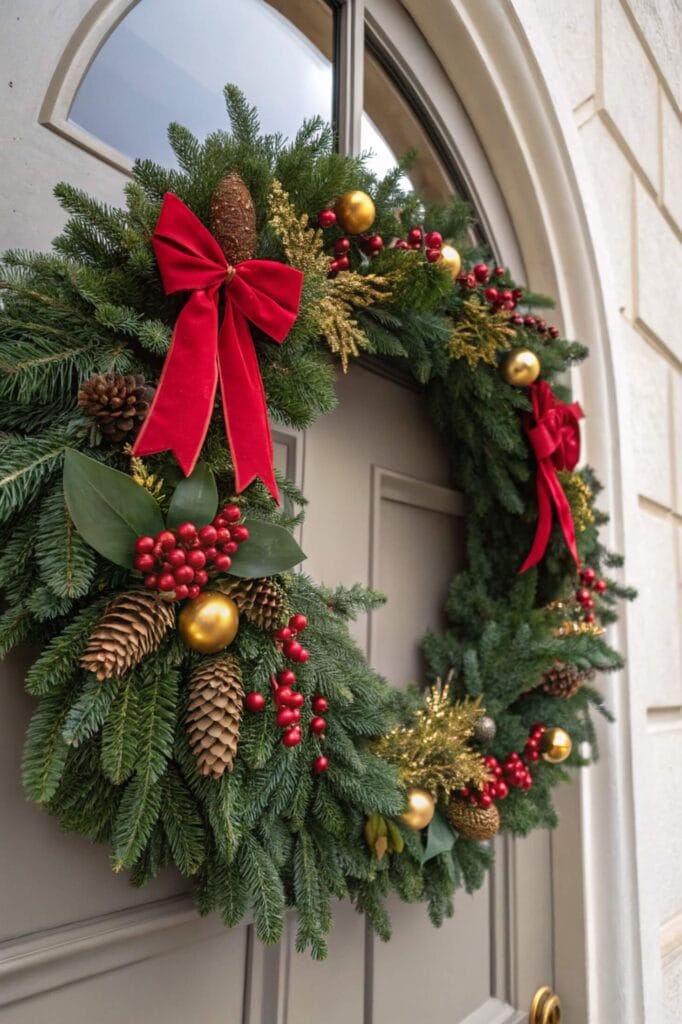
200,701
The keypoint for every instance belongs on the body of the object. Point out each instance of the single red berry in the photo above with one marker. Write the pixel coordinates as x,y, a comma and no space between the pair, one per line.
600,586
317,725
282,634
240,534
223,535
286,677
193,591
223,563
292,737
297,700
144,545
588,576
207,536
151,581
326,218
255,702
343,263
432,255
181,592
145,562
209,554
187,531
481,272
320,764
184,574
529,321
232,513
491,294
166,539
200,577
341,246
320,705
554,332
196,558
292,649
433,239
166,581
177,557
590,618
231,548
285,718
414,235
283,695
498,271
298,623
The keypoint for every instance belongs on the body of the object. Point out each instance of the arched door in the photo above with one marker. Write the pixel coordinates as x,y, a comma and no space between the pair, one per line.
77,943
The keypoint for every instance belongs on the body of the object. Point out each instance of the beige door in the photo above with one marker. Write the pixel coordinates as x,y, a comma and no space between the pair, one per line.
77,944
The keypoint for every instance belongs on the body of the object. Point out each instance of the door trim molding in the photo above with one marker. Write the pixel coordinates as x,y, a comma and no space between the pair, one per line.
61,956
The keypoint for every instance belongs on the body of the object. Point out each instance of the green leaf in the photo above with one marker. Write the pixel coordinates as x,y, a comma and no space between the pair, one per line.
270,549
195,499
439,837
109,509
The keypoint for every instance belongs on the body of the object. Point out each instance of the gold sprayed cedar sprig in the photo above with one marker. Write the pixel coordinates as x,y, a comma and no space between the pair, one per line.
479,334
434,752
343,294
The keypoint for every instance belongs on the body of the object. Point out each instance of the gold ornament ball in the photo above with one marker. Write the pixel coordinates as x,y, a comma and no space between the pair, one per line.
450,260
355,212
209,622
521,368
421,807
555,745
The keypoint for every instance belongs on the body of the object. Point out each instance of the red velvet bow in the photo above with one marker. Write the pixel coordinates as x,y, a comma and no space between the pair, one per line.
202,351
555,439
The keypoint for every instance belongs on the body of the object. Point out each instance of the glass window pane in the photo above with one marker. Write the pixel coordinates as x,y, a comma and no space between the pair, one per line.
391,127
168,60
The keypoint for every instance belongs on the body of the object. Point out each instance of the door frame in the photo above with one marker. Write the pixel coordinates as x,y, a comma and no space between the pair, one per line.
493,93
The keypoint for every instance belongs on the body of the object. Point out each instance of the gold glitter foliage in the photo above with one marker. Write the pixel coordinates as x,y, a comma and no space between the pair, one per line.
435,752
579,497
341,295
479,334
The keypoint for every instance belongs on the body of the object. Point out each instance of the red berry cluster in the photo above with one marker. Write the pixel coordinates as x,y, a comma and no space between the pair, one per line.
179,562
289,701
583,595
513,773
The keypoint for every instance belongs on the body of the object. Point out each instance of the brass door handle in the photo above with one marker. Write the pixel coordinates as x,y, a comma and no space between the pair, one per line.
545,1008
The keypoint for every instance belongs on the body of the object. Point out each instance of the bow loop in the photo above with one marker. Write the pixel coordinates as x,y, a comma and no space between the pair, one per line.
260,291
555,440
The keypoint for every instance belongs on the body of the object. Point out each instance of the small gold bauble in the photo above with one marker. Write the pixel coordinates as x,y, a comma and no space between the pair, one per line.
209,622
555,745
355,212
521,368
421,807
450,260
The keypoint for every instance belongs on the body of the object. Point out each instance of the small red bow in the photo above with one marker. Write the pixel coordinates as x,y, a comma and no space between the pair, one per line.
202,352
555,439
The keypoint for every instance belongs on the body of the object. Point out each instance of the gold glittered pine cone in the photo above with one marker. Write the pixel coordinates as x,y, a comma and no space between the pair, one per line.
116,403
132,627
261,601
214,714
562,680
233,219
471,821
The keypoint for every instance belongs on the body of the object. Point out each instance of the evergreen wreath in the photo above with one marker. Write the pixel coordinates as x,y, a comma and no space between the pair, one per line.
276,775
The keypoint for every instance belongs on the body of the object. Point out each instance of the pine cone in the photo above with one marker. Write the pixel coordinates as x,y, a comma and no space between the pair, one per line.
117,404
471,821
233,219
214,714
261,601
133,626
562,680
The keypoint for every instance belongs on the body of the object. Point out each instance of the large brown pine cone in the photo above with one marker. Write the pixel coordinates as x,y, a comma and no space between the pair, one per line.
133,626
562,680
214,714
116,403
473,822
261,601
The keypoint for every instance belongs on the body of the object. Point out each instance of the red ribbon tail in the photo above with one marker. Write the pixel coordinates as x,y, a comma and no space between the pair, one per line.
180,413
244,404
